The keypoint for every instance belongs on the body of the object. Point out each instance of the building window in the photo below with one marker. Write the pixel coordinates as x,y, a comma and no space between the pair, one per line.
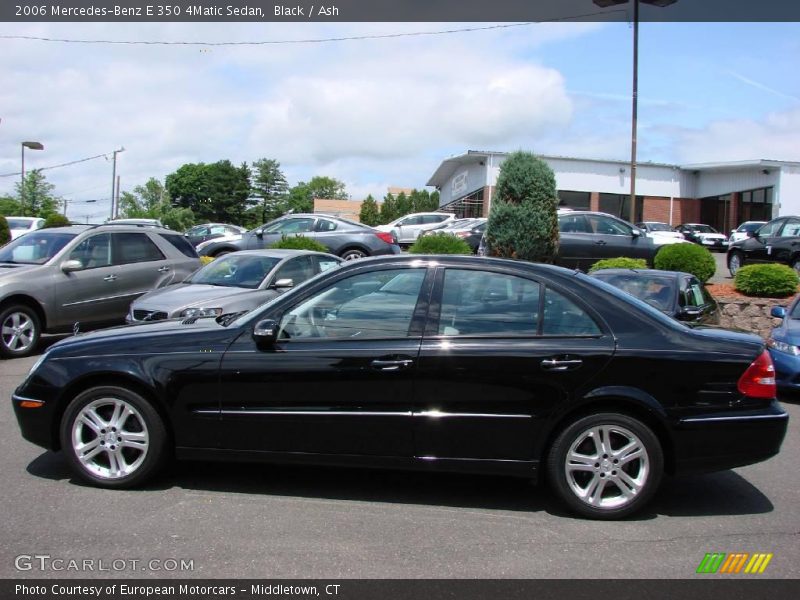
574,200
467,207
755,205
619,205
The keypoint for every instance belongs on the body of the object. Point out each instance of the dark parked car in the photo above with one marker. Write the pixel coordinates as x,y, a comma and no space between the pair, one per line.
235,282
211,231
344,238
469,230
784,346
776,242
679,295
704,235
53,279
441,362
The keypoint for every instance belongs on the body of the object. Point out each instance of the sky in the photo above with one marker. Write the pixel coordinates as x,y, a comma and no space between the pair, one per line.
376,113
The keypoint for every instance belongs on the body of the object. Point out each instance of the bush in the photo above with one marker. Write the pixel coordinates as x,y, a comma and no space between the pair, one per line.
55,220
771,280
5,232
440,243
621,262
299,242
689,258
204,260
523,222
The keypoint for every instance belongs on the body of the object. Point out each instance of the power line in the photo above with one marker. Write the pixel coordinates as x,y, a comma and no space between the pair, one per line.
310,40
66,164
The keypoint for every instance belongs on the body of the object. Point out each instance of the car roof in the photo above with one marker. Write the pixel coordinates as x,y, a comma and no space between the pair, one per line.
280,253
126,227
642,272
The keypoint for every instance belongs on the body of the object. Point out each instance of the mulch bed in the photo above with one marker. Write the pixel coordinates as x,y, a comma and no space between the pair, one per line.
726,290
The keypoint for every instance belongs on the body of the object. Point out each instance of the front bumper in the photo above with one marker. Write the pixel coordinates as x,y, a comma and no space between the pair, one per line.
719,441
36,424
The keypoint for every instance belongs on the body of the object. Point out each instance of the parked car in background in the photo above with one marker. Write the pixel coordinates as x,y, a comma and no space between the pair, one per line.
704,235
662,233
407,228
469,230
344,238
213,231
236,282
137,222
586,237
53,279
745,230
442,362
21,225
679,295
784,346
776,242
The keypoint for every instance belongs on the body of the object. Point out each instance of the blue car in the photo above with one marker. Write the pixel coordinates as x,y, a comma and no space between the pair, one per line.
784,346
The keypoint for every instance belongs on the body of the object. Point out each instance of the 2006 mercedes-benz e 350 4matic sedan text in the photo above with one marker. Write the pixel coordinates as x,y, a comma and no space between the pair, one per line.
452,363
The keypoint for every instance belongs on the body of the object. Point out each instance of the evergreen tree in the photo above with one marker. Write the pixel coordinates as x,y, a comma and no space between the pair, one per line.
388,209
369,214
404,205
269,183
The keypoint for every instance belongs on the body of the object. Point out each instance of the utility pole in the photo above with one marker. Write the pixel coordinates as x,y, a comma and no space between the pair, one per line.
114,179
116,200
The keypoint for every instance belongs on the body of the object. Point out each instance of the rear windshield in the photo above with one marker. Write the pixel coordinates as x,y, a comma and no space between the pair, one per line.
181,243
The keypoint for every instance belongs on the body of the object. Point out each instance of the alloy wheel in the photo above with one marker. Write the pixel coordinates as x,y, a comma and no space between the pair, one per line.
18,332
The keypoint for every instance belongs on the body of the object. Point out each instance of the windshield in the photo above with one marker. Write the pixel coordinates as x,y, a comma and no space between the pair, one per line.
19,223
35,248
659,227
653,289
751,227
703,229
235,270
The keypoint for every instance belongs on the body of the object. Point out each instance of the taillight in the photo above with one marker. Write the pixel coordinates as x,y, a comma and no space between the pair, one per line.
385,236
758,380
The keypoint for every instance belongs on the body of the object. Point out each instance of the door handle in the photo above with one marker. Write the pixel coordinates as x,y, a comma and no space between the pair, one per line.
600,242
391,365
561,364
163,269
110,278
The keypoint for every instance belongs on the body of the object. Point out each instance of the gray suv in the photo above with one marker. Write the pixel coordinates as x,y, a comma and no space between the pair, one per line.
53,279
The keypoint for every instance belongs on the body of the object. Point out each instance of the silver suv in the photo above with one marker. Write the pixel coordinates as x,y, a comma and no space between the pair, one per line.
53,279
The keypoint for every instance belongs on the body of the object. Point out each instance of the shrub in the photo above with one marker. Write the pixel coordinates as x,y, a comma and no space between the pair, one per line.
299,242
440,243
621,262
5,232
689,258
204,260
56,220
770,280
523,222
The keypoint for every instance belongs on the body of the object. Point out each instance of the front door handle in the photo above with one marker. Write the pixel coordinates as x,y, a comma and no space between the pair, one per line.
561,364
391,365
163,269
110,278
600,242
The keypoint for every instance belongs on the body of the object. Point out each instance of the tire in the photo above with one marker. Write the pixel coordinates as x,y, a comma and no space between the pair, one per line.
626,476
352,254
735,262
20,330
92,436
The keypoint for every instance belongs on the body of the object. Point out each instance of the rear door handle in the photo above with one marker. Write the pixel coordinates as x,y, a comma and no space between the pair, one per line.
163,269
600,242
391,365
561,364
110,278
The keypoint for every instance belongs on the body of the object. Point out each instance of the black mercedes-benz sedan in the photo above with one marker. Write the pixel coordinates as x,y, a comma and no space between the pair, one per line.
451,363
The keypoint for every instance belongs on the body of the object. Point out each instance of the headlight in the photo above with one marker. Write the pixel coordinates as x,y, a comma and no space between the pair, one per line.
202,312
783,347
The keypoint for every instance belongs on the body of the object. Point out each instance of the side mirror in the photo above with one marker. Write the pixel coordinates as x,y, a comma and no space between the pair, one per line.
779,312
689,313
260,233
636,232
752,234
68,266
266,331
283,283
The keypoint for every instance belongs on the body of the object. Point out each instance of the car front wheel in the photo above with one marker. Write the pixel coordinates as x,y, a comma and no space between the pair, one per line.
19,331
735,262
353,254
605,466
113,437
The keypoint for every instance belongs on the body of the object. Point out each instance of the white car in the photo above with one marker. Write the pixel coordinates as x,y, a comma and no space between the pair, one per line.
21,225
407,228
661,233
742,231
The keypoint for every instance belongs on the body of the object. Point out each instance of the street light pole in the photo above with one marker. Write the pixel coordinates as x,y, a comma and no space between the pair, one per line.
32,146
114,179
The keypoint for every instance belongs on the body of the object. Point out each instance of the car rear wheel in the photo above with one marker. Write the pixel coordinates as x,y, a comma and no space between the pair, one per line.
113,437
735,262
353,254
19,331
605,466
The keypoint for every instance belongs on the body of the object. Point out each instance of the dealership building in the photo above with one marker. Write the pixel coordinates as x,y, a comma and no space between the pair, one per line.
722,194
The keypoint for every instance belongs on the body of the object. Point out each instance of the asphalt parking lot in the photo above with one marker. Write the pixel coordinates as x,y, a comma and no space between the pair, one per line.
288,522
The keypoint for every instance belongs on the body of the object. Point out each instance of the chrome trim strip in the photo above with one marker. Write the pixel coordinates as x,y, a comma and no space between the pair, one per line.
101,299
24,399
736,418
436,414
431,414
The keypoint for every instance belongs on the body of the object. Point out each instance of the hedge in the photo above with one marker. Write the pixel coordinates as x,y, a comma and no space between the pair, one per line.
768,280
299,242
689,258
621,262
440,243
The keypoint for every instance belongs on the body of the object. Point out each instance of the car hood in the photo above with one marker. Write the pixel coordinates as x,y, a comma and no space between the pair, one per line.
190,295
9,269
671,234
710,236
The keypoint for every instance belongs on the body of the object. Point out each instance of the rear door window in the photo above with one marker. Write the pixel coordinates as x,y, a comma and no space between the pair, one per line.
181,244
134,248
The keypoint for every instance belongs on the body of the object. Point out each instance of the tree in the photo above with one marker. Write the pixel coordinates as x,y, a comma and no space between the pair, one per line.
214,192
269,183
9,206
5,232
301,196
36,198
404,204
55,220
151,201
389,208
369,214
523,222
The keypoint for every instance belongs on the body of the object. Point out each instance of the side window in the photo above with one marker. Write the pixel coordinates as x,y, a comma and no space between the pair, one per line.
216,229
573,224
694,294
134,248
791,229
297,269
563,317
410,221
291,226
181,244
606,226
94,251
771,229
429,219
372,305
324,263
481,303
325,225
232,230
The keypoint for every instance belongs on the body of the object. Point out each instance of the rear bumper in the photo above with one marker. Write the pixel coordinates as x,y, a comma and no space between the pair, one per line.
720,441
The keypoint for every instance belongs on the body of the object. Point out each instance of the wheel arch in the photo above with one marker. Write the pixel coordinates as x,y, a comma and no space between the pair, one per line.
353,246
28,301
